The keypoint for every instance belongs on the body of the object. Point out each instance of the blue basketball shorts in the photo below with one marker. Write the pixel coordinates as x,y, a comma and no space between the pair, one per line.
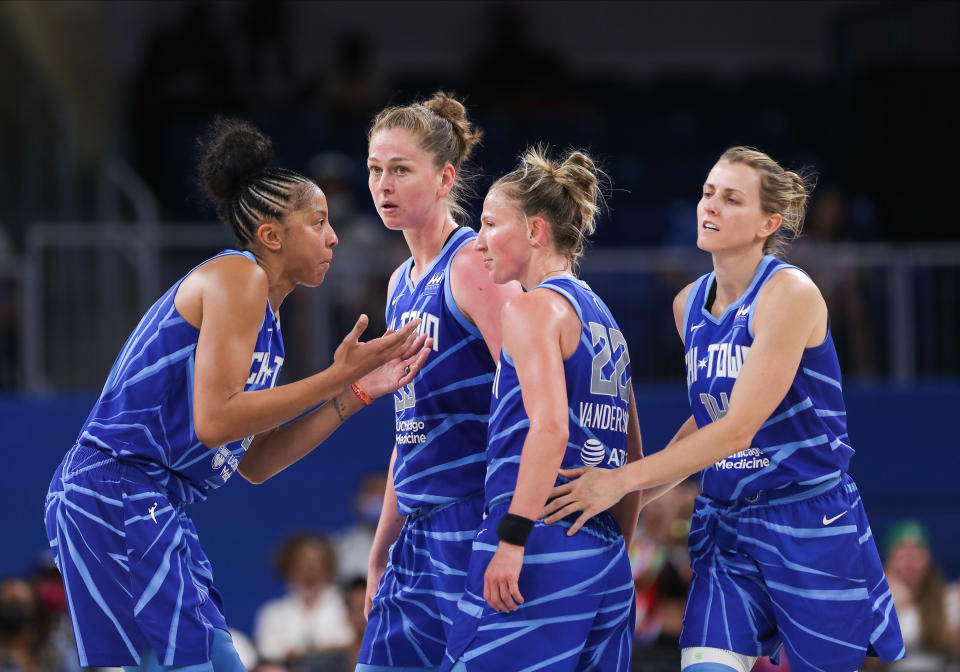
578,611
416,601
796,569
134,572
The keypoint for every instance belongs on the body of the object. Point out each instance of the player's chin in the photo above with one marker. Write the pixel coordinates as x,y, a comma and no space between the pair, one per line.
318,277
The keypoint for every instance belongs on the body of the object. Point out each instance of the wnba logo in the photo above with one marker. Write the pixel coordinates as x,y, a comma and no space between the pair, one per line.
592,453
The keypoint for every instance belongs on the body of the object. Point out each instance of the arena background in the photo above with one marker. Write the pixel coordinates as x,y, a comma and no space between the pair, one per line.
99,213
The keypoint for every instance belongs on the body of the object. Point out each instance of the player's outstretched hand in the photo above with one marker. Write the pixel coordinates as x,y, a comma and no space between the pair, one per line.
399,371
501,587
591,491
358,359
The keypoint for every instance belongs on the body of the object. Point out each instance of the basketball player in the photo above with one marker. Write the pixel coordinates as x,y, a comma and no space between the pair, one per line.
434,497
190,400
536,598
780,545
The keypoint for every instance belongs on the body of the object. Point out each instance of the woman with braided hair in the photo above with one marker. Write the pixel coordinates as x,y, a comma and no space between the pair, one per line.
190,400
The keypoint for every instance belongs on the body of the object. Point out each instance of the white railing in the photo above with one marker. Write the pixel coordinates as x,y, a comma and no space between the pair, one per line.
83,287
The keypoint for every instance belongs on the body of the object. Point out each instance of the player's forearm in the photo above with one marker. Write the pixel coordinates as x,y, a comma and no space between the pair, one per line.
650,494
540,461
280,448
248,413
389,525
686,456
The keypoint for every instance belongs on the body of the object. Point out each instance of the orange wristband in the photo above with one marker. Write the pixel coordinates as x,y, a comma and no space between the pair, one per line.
361,393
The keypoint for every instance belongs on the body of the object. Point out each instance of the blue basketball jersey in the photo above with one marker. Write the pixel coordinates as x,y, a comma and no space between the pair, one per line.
441,417
145,413
805,441
598,394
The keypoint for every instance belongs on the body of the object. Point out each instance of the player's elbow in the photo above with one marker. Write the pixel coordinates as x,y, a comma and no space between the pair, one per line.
252,475
737,436
211,433
551,432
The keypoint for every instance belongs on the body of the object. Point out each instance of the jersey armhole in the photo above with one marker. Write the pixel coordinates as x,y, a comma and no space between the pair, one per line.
576,308
392,291
688,306
448,299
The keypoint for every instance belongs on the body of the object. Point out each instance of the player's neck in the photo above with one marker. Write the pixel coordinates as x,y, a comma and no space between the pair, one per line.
543,268
278,286
734,271
426,242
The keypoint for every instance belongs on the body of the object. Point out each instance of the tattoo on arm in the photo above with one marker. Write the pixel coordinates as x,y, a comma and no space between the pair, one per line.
341,411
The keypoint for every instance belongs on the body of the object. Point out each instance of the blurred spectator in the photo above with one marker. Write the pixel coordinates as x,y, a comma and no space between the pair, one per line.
22,645
354,595
543,83
929,611
661,575
366,253
53,620
353,544
851,322
356,86
245,649
307,630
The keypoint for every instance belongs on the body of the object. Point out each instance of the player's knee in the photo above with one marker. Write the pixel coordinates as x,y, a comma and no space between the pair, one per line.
709,659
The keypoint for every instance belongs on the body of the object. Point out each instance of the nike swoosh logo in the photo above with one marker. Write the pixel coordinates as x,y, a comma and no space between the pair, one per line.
695,327
827,521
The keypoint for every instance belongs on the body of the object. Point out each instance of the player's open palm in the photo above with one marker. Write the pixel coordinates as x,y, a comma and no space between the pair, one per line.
360,358
591,491
501,582
399,371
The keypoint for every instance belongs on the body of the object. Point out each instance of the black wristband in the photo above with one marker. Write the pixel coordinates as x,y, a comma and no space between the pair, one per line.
514,529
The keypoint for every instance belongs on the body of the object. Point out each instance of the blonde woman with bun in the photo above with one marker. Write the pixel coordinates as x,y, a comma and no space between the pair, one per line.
433,501
780,546
536,598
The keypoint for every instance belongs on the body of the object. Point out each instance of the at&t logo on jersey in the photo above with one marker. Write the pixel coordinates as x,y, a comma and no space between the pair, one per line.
593,453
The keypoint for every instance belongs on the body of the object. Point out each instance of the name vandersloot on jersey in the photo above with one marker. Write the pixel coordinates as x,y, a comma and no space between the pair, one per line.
603,416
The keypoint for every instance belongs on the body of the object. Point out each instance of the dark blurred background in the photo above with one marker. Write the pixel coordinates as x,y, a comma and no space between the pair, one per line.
100,104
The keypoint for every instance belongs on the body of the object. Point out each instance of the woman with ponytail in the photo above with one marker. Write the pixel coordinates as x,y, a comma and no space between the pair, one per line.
433,501
780,546
190,400
536,598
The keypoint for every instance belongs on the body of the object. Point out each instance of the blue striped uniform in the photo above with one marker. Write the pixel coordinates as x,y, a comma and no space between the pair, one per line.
780,546
441,422
578,610
135,575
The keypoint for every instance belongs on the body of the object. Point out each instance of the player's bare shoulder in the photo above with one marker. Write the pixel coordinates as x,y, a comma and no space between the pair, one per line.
233,278
792,298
